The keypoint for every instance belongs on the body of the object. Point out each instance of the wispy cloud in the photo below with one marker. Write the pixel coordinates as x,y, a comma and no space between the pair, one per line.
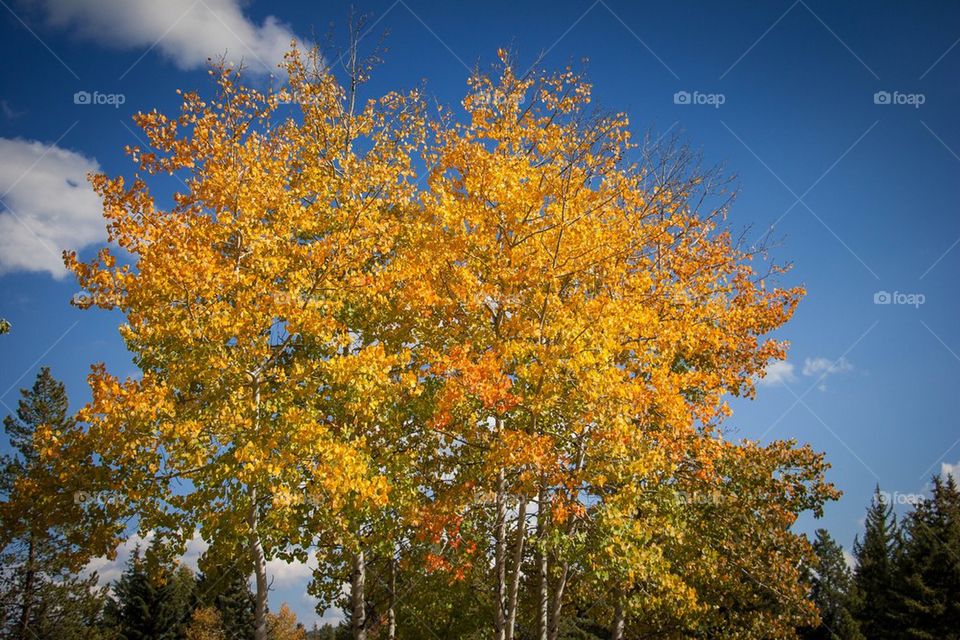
825,366
9,113
777,373
781,372
822,368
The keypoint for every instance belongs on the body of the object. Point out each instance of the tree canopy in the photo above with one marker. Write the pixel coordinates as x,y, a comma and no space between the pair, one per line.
490,351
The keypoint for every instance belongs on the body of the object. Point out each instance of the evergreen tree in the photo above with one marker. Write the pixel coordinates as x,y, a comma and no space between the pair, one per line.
330,632
183,594
151,602
70,608
225,585
832,592
929,567
40,597
875,575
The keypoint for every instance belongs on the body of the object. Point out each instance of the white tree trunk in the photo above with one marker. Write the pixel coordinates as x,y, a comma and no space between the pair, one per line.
260,571
358,598
392,612
543,512
500,552
616,633
517,563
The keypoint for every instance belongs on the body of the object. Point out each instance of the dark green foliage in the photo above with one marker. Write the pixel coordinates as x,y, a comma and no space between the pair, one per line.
40,596
832,592
64,607
929,566
44,403
581,627
875,576
225,584
330,632
151,602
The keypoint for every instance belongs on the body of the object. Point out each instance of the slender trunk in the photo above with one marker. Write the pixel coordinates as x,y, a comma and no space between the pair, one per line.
392,611
543,513
619,623
358,599
28,581
256,544
517,562
260,571
556,603
500,552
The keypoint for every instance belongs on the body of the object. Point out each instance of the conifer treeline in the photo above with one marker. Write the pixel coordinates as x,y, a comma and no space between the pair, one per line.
906,577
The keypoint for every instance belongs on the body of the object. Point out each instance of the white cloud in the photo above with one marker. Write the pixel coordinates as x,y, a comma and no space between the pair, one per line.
48,206
822,368
849,559
188,32
285,573
778,372
109,571
282,574
947,469
825,366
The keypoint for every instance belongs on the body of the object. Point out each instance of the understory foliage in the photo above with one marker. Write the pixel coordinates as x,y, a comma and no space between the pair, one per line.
474,363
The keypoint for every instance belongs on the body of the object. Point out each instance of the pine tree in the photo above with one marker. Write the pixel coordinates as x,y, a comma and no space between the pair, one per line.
40,597
832,592
929,591
225,585
875,575
70,608
151,602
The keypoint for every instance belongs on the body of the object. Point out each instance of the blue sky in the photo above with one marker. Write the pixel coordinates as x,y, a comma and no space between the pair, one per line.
838,118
